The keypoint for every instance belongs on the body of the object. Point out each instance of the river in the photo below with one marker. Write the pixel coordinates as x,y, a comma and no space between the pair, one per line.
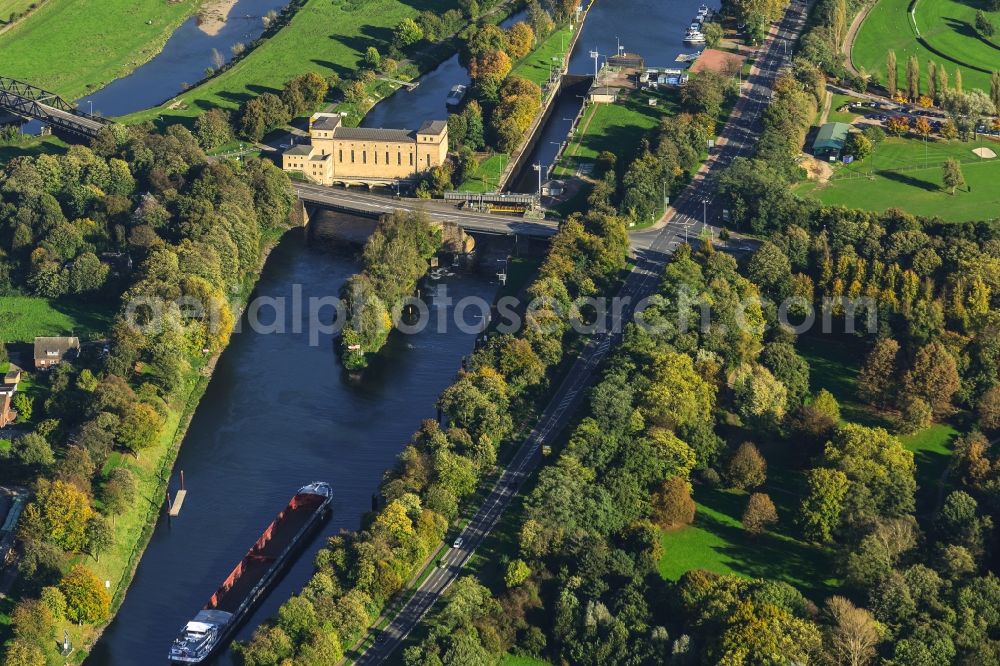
279,412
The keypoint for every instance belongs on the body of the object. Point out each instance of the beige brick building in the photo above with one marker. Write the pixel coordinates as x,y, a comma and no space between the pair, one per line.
347,155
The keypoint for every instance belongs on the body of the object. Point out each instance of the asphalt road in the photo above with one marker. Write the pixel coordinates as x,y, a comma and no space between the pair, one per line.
652,249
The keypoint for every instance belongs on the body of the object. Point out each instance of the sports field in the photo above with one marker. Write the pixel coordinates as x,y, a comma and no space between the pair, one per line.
899,174
324,36
73,47
947,28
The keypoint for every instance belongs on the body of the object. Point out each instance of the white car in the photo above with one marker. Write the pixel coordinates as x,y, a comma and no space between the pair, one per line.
458,543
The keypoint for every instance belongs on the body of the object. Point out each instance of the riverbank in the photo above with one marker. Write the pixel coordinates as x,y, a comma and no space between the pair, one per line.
153,471
104,41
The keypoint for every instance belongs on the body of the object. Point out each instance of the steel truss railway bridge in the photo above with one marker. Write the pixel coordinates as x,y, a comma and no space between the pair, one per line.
33,103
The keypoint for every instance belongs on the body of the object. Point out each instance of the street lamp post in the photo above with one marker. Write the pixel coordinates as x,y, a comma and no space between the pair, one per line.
538,167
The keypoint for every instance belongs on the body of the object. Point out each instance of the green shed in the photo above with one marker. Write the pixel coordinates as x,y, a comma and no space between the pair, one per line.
830,139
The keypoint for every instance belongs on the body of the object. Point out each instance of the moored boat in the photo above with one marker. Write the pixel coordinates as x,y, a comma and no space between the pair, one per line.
455,96
247,583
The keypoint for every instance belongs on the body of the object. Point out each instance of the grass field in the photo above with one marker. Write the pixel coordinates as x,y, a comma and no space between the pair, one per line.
8,7
325,36
836,116
717,542
932,449
22,318
517,660
537,65
919,188
31,146
488,176
73,47
946,25
618,128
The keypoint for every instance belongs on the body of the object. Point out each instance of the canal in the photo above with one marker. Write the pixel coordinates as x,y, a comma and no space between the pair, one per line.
278,413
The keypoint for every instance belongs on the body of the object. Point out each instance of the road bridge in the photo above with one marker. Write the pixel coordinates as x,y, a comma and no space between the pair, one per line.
376,205
31,102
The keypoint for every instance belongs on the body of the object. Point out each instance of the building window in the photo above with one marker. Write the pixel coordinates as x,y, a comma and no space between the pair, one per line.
352,157
364,157
375,153
340,155
399,158
387,157
428,160
411,159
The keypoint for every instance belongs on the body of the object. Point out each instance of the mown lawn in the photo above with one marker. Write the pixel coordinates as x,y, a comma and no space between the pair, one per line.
488,176
932,449
836,116
22,318
947,25
32,146
324,36
538,65
74,47
876,183
717,542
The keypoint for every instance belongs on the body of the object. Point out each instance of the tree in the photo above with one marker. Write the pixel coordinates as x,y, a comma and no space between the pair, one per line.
677,395
23,405
913,78
33,622
518,571
20,652
372,57
139,428
891,74
87,600
213,128
822,506
995,90
760,513
747,468
713,34
520,39
704,93
897,125
988,409
983,25
789,368
671,503
852,634
119,491
933,377
923,126
407,33
770,268
858,145
59,514
33,449
268,646
100,536
877,378
952,175
759,396
879,468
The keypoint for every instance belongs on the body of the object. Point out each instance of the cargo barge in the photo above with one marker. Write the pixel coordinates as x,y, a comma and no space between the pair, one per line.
248,582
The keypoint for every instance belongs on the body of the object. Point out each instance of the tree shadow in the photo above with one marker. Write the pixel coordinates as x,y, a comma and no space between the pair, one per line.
770,555
909,180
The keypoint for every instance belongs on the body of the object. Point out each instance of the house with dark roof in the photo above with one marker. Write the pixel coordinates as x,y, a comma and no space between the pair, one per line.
53,351
338,154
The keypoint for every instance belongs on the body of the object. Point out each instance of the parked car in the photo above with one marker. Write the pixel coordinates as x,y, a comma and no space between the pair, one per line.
458,543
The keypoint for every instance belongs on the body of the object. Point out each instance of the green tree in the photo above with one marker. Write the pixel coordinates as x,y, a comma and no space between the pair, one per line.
59,514
933,377
407,33
100,536
704,93
297,617
770,269
518,571
983,25
822,506
20,652
268,646
677,395
789,368
86,598
213,129
891,73
372,57
878,376
713,34
879,468
140,426
119,491
858,145
952,175
24,405
33,449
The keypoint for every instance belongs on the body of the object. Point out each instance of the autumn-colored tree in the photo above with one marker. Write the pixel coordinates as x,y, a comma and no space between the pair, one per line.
877,378
760,513
490,64
33,622
923,126
988,409
671,503
933,377
520,39
20,652
677,395
852,634
897,125
58,514
87,600
747,468
913,78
